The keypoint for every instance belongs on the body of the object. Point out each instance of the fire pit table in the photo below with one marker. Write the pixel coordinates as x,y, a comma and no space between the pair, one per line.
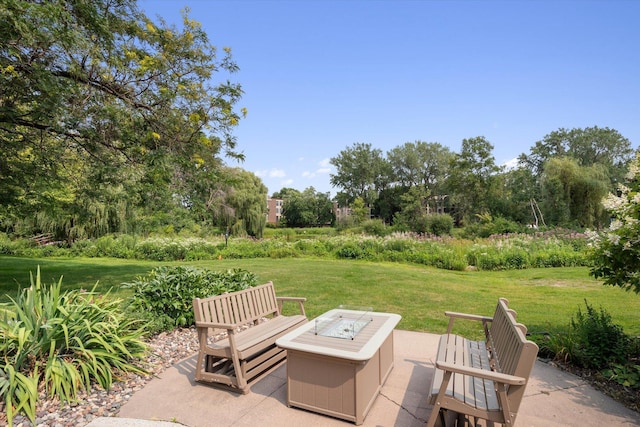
338,362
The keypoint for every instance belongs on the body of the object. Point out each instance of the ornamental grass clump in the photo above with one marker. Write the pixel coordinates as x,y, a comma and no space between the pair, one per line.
63,343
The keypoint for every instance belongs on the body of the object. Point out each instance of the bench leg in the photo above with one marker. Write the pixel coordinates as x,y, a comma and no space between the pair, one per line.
448,418
200,365
443,418
435,416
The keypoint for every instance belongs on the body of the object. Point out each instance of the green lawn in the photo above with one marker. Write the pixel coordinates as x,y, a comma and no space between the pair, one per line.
545,299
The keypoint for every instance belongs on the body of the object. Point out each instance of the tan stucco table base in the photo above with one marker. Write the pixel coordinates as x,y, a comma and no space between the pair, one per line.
339,377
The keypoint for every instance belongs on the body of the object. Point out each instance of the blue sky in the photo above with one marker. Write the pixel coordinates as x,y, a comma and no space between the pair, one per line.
319,76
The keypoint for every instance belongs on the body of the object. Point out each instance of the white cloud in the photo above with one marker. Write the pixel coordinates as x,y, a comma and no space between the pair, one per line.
511,164
325,163
287,182
273,173
323,170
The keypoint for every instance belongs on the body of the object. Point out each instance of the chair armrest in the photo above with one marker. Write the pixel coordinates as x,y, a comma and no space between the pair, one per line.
299,300
481,373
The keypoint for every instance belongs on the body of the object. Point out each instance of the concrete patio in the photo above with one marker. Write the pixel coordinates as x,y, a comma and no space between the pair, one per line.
553,398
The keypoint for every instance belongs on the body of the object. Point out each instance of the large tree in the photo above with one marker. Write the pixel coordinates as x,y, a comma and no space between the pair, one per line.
572,194
98,86
245,202
516,195
586,146
358,170
471,179
420,163
308,208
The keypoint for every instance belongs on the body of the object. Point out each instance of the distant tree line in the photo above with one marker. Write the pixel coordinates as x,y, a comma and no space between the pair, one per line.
560,182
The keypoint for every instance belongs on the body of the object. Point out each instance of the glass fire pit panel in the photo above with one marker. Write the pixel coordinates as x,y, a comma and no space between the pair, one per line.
344,325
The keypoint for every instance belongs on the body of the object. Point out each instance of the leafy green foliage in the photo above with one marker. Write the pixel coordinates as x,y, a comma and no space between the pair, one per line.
554,248
600,341
108,120
516,251
439,224
166,294
419,163
592,341
572,193
307,208
243,199
358,168
615,252
588,146
487,226
64,341
472,178
375,227
627,375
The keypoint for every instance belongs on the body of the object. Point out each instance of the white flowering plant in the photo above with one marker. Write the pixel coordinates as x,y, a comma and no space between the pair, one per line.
616,250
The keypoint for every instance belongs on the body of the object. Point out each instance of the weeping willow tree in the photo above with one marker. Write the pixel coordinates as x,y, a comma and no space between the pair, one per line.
572,194
87,218
241,206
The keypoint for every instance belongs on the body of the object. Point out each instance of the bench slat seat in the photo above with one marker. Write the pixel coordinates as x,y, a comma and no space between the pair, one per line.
483,379
253,321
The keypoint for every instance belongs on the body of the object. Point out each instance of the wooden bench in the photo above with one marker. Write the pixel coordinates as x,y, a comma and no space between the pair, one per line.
482,379
253,321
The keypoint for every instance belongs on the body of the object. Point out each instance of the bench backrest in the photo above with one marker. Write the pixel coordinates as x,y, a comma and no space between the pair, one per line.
511,352
241,307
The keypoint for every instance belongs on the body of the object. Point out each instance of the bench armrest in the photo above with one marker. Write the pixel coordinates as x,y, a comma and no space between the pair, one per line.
455,315
468,316
481,373
228,326
299,300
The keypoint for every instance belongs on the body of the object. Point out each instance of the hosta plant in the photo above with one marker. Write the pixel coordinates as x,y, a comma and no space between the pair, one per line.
63,342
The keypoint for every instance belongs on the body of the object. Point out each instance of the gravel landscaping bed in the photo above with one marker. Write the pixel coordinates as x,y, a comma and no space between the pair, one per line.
165,350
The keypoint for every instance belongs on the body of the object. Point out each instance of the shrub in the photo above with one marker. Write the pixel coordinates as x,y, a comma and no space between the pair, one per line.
592,341
600,341
489,226
161,250
399,243
375,227
350,250
313,247
440,224
166,293
62,342
6,246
